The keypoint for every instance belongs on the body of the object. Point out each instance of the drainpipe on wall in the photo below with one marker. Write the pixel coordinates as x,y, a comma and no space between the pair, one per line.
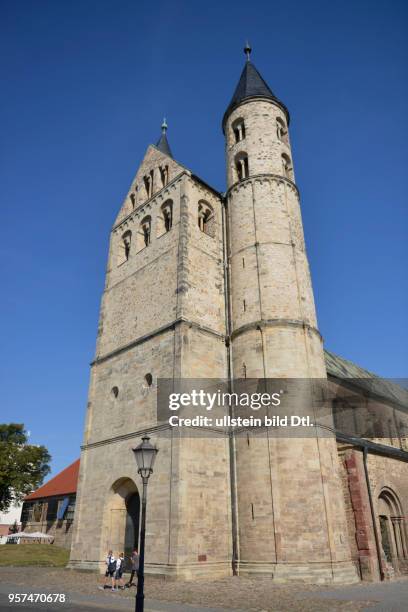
373,517
232,450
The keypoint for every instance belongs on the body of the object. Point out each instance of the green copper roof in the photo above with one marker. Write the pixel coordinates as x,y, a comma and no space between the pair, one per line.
368,382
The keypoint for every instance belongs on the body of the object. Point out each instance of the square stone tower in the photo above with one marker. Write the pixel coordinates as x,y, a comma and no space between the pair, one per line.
205,285
162,316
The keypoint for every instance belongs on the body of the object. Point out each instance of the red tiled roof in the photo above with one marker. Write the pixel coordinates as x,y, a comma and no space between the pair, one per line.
63,483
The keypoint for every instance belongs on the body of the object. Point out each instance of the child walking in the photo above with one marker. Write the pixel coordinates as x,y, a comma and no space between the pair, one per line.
119,573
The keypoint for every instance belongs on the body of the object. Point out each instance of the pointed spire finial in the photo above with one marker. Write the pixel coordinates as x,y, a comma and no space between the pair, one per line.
164,125
247,51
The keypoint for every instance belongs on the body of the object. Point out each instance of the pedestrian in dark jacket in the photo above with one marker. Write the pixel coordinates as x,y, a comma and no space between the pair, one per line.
134,561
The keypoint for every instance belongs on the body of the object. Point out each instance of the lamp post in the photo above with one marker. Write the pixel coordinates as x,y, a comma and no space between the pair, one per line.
145,455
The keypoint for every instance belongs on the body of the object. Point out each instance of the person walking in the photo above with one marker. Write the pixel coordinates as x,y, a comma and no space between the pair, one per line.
134,563
119,572
110,563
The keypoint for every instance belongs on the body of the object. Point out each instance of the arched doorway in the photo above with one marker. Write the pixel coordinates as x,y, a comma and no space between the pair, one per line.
132,525
122,519
392,529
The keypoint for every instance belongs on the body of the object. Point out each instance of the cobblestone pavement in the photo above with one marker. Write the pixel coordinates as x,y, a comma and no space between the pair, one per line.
239,594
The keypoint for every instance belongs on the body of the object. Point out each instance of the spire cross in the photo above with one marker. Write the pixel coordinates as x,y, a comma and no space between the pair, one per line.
247,51
164,126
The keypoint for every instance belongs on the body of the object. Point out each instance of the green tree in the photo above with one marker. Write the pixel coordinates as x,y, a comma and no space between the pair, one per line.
23,466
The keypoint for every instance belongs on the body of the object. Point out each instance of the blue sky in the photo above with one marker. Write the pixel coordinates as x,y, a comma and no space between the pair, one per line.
85,86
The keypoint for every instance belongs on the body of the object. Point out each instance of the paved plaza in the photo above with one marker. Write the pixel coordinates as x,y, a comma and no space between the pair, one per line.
230,594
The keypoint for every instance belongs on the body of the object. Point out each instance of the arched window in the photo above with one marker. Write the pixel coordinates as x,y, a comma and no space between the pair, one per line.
165,218
287,166
144,233
238,127
392,528
242,166
164,175
146,228
206,219
149,379
281,130
124,247
148,183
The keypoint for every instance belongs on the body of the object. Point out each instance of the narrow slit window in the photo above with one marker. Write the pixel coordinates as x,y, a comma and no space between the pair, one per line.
146,233
164,175
148,182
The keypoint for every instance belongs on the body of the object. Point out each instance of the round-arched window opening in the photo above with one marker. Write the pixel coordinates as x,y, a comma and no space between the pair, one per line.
149,379
115,391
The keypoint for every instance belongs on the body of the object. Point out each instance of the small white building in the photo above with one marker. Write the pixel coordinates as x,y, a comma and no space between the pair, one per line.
7,519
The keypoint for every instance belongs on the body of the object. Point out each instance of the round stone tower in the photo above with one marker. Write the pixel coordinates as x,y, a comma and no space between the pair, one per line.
290,512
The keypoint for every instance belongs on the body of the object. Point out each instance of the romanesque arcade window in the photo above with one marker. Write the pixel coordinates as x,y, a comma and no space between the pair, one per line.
148,183
238,127
206,219
165,218
391,518
124,247
242,166
282,131
145,233
287,166
164,175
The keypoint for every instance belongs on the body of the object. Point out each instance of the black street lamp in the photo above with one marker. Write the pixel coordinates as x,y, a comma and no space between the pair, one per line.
145,455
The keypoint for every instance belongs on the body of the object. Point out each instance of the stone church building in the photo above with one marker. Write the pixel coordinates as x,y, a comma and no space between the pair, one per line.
202,284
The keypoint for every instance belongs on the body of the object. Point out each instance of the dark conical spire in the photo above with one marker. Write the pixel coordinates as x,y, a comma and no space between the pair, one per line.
162,143
251,85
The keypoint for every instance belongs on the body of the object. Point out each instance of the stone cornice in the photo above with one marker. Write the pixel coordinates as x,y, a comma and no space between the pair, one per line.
152,429
264,323
266,175
260,244
156,332
128,436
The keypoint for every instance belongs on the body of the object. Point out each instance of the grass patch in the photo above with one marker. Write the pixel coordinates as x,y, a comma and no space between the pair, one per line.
44,555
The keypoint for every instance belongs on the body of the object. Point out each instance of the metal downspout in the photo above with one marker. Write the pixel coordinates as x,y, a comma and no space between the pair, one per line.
231,439
370,497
